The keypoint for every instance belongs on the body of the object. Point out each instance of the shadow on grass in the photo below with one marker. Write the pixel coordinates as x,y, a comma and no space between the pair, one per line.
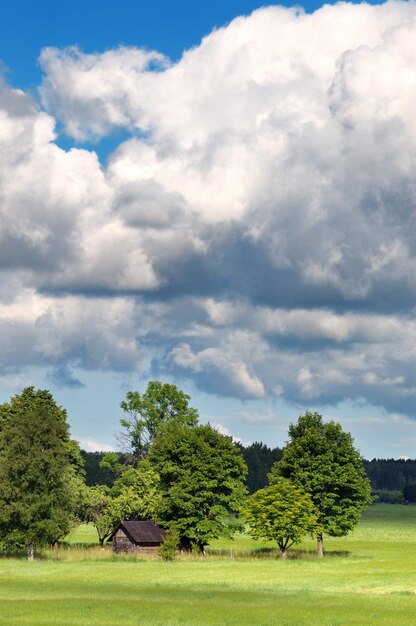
19,553
273,553
64,551
299,554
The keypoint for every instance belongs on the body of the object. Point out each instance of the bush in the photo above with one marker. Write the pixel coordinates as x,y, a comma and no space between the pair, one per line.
388,497
170,545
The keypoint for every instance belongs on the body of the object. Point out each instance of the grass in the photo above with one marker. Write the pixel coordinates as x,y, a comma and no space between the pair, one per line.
366,578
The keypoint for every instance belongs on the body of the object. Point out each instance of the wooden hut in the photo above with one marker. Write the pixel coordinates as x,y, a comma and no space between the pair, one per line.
135,536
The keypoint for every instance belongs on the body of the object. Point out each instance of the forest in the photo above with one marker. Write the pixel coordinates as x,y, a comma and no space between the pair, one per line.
389,477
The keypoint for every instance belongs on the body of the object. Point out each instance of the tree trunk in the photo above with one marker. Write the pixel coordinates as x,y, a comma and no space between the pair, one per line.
320,545
283,553
30,552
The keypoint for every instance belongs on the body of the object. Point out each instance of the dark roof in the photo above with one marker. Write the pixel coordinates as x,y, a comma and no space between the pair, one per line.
143,532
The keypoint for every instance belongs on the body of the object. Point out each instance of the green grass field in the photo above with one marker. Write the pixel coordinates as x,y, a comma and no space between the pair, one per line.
366,578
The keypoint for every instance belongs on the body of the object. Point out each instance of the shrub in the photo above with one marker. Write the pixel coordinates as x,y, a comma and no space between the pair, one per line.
170,545
388,497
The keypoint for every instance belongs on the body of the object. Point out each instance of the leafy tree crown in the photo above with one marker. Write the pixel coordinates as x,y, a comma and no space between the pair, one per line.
321,459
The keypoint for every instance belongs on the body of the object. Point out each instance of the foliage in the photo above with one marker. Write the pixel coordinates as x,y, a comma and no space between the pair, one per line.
77,496
36,475
321,458
103,468
111,463
94,473
409,493
259,459
161,405
170,545
390,474
135,495
389,497
280,512
201,481
386,475
96,511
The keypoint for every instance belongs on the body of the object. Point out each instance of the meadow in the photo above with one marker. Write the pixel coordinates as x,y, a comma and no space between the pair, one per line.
368,577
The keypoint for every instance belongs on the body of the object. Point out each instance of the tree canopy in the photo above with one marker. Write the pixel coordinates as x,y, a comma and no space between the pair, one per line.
201,480
280,512
321,459
135,495
37,471
260,460
146,414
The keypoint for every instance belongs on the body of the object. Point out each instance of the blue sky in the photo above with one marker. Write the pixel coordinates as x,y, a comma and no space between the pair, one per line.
223,199
98,25
170,27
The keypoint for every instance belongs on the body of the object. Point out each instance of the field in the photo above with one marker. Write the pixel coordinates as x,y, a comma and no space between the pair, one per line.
366,578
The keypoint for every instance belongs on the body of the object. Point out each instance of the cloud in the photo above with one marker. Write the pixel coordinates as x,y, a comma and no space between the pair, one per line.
57,226
255,232
61,376
298,172
91,445
223,430
91,82
233,361
57,332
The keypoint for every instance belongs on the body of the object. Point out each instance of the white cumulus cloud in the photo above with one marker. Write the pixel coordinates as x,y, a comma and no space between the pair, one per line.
256,230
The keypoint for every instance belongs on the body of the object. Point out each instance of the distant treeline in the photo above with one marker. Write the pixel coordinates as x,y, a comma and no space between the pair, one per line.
391,474
386,475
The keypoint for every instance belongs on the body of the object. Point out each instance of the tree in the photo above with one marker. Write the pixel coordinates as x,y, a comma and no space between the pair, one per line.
135,495
281,512
409,493
260,460
96,511
202,483
36,501
110,463
322,460
170,545
161,405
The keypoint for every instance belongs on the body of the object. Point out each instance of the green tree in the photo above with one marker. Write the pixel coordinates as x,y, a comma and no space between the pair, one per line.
260,460
96,511
145,415
74,478
110,463
135,495
36,500
281,512
170,545
202,483
322,460
409,493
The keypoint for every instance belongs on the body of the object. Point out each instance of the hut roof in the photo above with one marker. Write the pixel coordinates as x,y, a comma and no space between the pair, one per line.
143,532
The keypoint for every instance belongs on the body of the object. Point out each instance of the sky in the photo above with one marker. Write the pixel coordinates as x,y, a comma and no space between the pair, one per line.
219,195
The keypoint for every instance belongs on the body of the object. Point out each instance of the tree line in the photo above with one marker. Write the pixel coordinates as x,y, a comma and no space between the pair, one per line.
391,479
258,457
193,480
